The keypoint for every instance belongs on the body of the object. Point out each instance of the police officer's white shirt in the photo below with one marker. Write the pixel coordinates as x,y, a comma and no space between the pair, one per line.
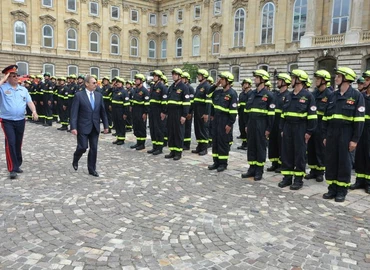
13,102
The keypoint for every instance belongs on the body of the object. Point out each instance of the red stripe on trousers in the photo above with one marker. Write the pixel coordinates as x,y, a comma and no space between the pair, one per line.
7,152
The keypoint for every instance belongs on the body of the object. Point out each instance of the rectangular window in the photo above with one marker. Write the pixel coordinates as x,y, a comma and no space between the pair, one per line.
48,68
94,9
197,12
114,12
164,19
235,72
22,68
94,71
179,15
217,7
114,72
47,3
152,19
133,73
71,5
134,15
72,70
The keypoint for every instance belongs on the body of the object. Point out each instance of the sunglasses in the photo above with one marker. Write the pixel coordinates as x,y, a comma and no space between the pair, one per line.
13,75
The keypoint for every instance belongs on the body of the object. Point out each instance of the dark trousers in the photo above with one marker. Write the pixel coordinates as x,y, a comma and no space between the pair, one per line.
139,124
156,126
362,156
175,129
119,122
220,141
40,110
129,120
63,115
109,113
256,141
201,129
48,109
187,136
316,152
293,150
83,142
241,122
13,131
275,142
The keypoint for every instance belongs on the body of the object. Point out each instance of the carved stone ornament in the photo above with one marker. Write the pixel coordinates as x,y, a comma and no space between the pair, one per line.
94,26
172,10
240,4
105,3
134,32
72,23
152,35
47,19
115,29
163,34
144,11
179,32
216,27
264,2
187,6
206,3
19,15
196,30
126,7
83,1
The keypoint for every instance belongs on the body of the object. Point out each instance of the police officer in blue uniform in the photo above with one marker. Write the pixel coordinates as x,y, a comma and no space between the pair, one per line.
13,101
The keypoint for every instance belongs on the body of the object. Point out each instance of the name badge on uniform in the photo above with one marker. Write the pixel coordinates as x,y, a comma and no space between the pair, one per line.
8,92
350,101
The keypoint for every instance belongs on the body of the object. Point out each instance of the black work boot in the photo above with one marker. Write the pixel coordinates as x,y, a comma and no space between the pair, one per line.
170,155
214,166
135,145
311,175
287,181
320,178
250,173
243,146
259,173
341,194
140,146
298,183
186,146
177,156
332,192
367,188
360,183
222,167
273,167
158,150
278,169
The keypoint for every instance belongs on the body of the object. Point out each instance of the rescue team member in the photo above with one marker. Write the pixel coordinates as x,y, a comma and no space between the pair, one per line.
38,99
63,92
107,95
158,99
13,101
140,105
211,82
177,109
362,155
120,106
164,80
223,115
298,121
130,90
242,101
258,119
47,98
274,144
315,147
202,108
343,123
81,82
185,77
360,84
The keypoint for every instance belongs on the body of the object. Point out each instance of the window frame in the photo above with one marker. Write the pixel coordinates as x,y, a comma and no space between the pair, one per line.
133,72
152,50
111,72
300,33
261,66
177,48
164,41
166,16
340,18
137,15
132,47
216,44
44,37
111,12
75,6
68,39
97,9
114,45
98,69
72,66
177,15
155,19
292,64
267,27
238,33
215,7
52,73
18,33
19,64
195,46
236,78
93,42
48,6
216,73
195,12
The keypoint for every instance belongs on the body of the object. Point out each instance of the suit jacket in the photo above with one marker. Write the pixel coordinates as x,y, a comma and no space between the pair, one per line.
83,117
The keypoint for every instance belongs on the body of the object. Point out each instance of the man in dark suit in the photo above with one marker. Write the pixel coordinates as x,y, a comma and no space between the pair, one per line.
86,112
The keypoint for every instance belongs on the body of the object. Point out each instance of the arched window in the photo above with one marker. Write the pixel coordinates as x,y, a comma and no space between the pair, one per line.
152,49
47,36
299,19
134,47
94,42
71,39
164,49
267,23
20,33
179,47
114,44
196,45
239,28
340,19
216,43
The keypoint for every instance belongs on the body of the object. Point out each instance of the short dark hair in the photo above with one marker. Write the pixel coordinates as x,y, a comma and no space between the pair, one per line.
88,78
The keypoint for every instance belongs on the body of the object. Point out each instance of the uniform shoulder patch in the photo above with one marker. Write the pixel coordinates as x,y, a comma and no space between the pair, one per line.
313,108
272,106
164,96
147,97
234,105
127,98
361,109
186,96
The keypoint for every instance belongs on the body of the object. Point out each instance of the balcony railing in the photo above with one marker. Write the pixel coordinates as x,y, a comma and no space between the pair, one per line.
328,40
365,36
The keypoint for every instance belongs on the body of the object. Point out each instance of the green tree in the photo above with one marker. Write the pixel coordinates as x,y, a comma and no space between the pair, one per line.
192,70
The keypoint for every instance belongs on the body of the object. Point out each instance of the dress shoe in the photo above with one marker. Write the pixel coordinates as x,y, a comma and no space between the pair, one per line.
140,147
75,166
196,151
319,178
134,146
13,175
221,168
115,142
157,152
120,142
214,166
170,155
94,173
151,151
203,153
19,170
177,157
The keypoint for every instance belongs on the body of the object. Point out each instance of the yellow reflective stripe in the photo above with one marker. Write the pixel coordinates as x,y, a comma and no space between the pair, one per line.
287,172
209,101
199,100
256,163
278,111
214,155
338,183
320,113
138,102
126,104
293,114
202,141
271,113
218,107
175,149
312,116
155,101
367,116
164,102
106,97
316,167
117,102
223,157
120,138
255,110
141,138
359,119
186,104
338,116
187,139
174,102
233,111
242,103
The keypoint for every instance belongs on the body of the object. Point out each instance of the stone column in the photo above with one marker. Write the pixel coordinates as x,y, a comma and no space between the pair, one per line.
353,35
306,39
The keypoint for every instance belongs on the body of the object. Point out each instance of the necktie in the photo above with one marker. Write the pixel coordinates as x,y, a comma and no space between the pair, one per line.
92,100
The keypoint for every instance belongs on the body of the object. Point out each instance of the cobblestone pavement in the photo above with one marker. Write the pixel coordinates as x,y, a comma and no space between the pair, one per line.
146,212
